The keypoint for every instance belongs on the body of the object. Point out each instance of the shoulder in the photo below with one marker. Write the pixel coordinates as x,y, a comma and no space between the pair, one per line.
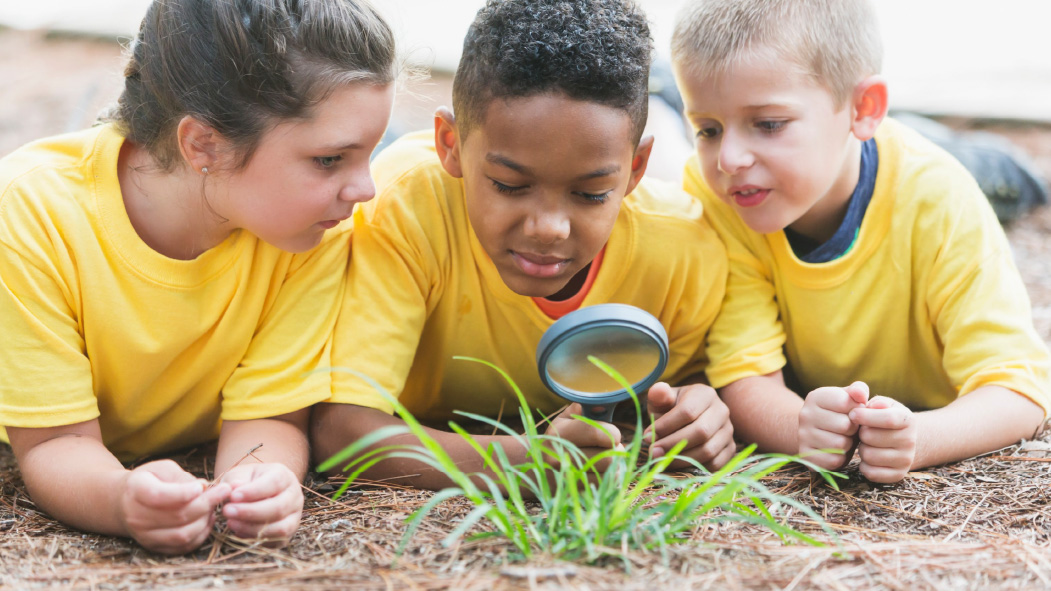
410,160
410,180
53,181
926,179
64,160
671,224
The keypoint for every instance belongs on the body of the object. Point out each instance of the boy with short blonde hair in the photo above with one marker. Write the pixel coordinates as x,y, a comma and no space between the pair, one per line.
860,253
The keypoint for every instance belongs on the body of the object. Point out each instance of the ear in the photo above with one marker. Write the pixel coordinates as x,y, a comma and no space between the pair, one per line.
446,141
199,144
869,106
639,161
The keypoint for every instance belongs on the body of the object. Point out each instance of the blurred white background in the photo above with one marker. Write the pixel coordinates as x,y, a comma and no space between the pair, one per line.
952,57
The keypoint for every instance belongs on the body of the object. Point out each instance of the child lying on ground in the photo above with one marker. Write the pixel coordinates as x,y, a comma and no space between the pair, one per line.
524,205
860,254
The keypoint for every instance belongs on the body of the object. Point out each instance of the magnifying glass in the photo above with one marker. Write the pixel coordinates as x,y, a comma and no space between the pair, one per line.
626,338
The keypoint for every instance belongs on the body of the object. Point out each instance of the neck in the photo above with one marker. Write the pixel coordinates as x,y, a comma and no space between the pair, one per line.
169,210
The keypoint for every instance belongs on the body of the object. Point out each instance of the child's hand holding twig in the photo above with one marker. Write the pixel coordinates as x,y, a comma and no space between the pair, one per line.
266,502
166,509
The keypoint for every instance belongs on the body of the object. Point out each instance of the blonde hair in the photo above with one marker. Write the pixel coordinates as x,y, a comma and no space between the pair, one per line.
835,41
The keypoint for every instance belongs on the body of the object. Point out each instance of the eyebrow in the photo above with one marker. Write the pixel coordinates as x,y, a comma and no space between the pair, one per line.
507,162
340,147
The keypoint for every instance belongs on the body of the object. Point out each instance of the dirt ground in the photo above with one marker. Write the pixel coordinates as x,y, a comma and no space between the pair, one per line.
980,524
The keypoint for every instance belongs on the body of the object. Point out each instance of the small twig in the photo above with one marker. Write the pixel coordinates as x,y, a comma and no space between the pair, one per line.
1021,458
959,529
499,416
250,453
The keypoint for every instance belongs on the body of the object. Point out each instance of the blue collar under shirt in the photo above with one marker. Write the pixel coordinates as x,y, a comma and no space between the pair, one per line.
811,251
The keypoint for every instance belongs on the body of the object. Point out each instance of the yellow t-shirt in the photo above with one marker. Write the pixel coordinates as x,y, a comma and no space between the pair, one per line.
421,289
925,307
97,324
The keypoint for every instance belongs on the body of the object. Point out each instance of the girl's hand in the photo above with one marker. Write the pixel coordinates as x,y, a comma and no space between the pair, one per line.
166,509
694,413
887,430
824,423
265,502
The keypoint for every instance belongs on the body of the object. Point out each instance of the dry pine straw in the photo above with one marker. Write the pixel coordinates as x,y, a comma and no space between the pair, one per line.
979,524
983,523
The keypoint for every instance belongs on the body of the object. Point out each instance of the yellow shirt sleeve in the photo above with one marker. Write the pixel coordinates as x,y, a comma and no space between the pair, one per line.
392,282
747,337
283,369
48,378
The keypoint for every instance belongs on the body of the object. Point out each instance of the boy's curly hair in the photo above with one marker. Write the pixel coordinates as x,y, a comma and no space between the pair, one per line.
589,50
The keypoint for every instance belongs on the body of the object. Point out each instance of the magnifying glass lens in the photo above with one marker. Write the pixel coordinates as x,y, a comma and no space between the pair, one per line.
631,353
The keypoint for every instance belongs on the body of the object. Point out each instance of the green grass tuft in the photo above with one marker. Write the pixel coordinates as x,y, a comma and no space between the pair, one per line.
583,507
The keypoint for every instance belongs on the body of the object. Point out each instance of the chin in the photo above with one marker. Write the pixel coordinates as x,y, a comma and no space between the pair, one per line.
531,287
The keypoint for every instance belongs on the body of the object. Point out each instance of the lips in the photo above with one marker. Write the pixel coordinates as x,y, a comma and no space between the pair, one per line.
329,224
748,195
538,265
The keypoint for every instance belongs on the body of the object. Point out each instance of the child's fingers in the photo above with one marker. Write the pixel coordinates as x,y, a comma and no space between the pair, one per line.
881,474
901,439
166,471
698,408
181,539
269,510
831,399
895,417
883,402
584,435
827,440
146,489
278,532
885,457
704,450
858,392
833,422
264,484
661,399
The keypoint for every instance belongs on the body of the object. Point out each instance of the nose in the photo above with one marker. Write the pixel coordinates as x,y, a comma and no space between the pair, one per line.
358,188
734,153
547,224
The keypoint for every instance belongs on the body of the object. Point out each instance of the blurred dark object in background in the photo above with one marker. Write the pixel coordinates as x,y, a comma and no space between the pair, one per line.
1004,173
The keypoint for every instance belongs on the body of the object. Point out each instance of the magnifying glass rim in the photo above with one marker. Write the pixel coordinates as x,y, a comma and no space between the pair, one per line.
601,316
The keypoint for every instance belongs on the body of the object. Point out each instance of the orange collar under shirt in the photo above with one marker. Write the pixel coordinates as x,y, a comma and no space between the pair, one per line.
556,310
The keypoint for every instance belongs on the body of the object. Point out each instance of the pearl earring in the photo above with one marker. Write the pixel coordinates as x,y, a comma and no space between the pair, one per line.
204,170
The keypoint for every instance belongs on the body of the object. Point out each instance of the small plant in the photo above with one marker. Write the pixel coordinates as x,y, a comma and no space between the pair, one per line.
583,507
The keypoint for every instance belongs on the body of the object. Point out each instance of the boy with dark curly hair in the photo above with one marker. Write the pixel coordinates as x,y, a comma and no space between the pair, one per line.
523,206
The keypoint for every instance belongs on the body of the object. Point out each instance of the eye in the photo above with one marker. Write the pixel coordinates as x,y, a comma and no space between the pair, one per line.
595,197
767,126
326,162
707,132
507,189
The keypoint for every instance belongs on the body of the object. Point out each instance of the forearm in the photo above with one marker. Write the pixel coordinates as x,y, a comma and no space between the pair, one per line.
283,439
765,412
984,420
71,475
335,426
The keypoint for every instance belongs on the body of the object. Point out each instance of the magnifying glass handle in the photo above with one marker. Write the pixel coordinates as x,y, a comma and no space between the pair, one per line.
602,413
